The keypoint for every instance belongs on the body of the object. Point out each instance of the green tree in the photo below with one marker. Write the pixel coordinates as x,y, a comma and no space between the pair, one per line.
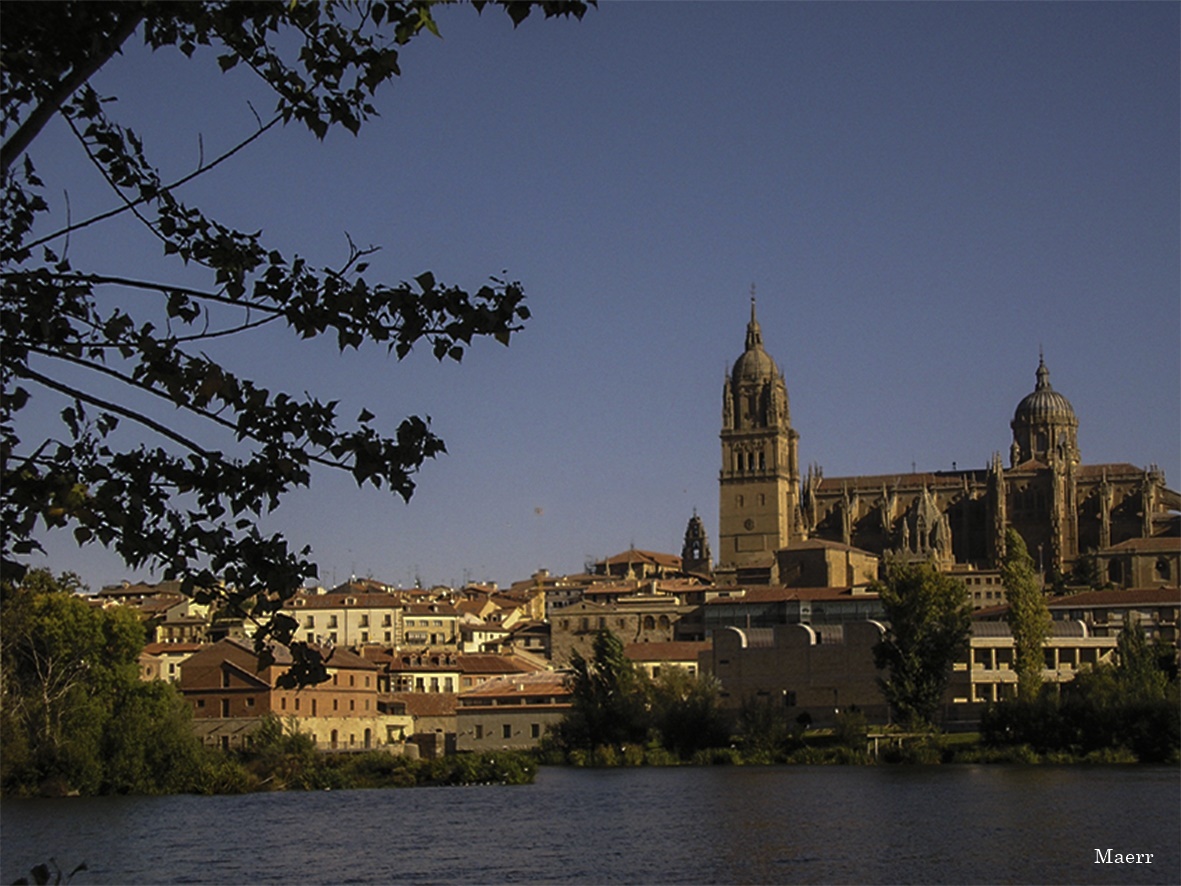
687,712
74,714
610,705
930,619
1028,615
178,501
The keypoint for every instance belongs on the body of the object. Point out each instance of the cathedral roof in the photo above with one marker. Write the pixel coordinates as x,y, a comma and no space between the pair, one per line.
1044,404
755,364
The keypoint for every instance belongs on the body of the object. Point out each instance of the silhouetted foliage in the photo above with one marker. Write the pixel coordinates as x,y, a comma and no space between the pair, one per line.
125,472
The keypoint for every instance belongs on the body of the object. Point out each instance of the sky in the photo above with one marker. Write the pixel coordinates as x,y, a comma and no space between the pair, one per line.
923,195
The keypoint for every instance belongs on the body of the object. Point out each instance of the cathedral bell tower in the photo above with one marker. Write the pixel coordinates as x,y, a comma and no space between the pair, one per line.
760,476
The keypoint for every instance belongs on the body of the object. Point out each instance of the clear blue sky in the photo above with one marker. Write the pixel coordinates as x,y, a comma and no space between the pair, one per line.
924,194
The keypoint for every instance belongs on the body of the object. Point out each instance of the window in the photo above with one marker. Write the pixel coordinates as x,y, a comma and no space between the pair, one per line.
283,703
225,707
386,621
448,684
506,730
250,702
225,679
479,732
364,621
535,730
335,704
309,622
352,705
332,621
364,636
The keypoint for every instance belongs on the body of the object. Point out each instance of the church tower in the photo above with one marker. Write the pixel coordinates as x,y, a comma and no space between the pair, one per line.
695,555
760,476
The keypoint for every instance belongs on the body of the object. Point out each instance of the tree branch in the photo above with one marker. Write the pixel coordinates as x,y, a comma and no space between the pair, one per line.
163,430
23,137
180,182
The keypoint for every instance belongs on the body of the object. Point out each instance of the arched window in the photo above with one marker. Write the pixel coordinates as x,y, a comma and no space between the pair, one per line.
762,461
649,623
1163,572
334,738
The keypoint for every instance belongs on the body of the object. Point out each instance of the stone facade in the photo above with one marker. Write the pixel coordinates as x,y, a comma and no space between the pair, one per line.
1062,508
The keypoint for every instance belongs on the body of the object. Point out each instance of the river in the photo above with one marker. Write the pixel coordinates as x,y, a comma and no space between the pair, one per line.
859,824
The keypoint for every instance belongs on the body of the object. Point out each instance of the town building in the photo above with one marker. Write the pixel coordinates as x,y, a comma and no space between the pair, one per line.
230,694
513,712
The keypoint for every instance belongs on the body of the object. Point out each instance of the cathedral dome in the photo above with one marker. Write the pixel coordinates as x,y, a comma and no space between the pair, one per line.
755,364
1044,404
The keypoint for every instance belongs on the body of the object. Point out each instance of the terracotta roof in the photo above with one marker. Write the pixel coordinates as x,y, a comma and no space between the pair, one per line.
680,650
1132,597
521,686
425,704
635,555
481,663
445,610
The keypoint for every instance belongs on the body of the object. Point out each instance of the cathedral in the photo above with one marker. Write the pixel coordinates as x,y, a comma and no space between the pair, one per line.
1123,517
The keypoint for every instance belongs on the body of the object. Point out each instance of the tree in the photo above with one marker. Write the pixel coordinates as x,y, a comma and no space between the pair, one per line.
610,705
687,712
74,714
930,619
1028,615
188,503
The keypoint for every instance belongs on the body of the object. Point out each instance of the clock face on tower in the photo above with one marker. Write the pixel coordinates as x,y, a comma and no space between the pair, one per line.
749,524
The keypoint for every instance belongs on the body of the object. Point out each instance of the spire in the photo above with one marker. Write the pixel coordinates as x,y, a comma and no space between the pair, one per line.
1043,374
754,333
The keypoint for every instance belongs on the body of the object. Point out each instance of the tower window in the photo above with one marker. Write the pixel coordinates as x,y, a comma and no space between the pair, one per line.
762,461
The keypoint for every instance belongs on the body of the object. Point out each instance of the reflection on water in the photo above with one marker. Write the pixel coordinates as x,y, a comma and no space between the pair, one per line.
887,824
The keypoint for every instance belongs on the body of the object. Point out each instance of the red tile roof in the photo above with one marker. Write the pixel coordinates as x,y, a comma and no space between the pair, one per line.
1131,597
673,651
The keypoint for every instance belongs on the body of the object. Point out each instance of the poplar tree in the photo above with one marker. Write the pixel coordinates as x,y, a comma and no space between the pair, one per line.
1028,615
